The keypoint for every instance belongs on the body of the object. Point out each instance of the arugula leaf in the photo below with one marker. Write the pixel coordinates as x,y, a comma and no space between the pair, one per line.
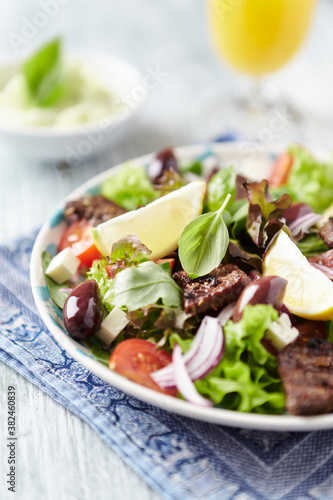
130,188
43,72
203,243
246,378
137,287
58,297
222,183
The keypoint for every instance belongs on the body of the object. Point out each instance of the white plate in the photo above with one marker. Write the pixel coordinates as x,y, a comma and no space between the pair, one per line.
256,163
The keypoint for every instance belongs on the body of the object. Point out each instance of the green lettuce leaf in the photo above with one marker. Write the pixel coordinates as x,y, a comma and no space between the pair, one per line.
130,188
310,181
185,344
246,377
99,273
141,286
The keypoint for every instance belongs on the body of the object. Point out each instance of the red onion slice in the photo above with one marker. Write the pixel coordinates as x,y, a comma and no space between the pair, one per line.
284,309
254,275
204,354
326,270
303,223
226,313
183,381
209,353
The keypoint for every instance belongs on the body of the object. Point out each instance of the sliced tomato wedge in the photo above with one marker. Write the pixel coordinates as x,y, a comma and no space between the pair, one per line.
78,237
112,269
136,359
281,170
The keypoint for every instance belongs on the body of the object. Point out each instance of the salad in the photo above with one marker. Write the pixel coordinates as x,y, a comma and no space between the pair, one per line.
199,284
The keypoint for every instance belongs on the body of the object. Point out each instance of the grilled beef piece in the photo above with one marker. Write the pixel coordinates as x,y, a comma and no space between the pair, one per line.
326,232
95,209
306,370
213,291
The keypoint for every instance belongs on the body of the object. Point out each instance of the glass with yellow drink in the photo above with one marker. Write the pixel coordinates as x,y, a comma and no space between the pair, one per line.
257,37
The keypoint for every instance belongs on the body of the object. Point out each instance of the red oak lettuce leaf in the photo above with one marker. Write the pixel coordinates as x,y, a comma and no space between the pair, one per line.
262,209
241,256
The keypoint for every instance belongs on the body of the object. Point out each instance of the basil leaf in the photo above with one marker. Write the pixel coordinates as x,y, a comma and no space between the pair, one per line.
43,73
146,284
58,297
203,243
222,183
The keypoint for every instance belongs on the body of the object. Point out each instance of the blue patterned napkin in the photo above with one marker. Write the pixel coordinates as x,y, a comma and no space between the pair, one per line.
179,457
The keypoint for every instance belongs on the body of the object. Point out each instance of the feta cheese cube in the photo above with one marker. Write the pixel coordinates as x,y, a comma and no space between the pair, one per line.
63,266
281,333
113,324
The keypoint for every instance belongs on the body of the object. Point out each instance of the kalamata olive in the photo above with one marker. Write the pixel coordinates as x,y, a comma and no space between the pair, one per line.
164,161
267,290
83,311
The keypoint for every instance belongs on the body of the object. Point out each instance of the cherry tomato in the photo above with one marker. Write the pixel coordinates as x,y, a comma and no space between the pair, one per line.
136,359
112,269
161,261
281,170
79,238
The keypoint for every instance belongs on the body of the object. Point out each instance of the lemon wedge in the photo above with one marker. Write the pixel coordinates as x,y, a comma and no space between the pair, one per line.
309,293
157,225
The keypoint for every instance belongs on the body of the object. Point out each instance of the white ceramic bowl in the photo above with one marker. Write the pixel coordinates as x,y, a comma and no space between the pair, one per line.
255,167
78,142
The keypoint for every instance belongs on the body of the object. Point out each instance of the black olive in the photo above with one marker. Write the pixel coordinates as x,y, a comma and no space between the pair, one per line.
164,161
83,311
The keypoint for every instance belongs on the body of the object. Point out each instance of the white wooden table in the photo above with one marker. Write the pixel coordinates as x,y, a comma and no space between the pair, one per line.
59,456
